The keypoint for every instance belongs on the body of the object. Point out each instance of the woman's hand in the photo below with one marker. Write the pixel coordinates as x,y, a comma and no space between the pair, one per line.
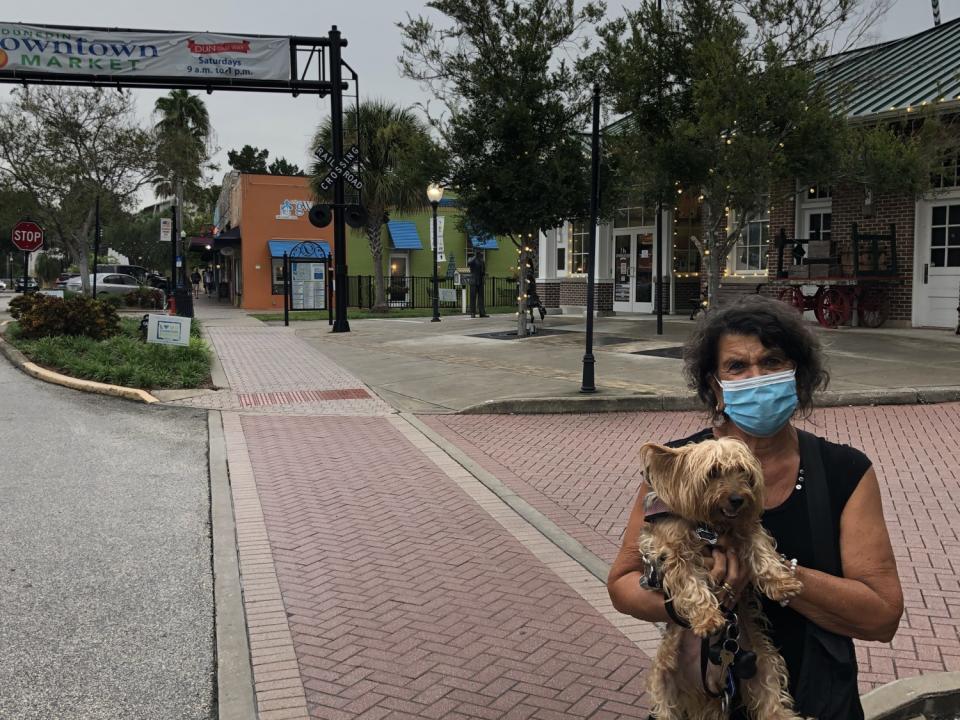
727,573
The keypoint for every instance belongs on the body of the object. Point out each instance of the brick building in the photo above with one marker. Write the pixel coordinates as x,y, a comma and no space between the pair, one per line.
912,279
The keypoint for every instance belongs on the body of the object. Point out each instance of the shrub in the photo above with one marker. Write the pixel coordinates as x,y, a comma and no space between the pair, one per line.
114,301
47,316
145,297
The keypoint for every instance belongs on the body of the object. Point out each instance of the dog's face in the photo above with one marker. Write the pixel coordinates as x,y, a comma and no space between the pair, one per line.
715,482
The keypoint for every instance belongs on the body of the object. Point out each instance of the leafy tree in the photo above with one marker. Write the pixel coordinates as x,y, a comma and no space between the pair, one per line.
512,111
249,159
280,166
64,147
47,267
399,160
137,237
724,104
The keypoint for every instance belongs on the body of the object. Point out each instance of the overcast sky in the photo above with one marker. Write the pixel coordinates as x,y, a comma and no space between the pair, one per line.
283,124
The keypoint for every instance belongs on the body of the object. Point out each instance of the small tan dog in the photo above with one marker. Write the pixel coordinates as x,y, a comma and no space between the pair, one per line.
704,490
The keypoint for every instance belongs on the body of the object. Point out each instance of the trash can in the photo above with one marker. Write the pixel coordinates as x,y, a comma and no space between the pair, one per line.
184,301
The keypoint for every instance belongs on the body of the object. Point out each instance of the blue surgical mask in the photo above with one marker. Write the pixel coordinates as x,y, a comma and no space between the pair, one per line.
760,405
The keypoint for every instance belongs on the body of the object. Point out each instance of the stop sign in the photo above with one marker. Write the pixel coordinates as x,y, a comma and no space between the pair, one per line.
27,235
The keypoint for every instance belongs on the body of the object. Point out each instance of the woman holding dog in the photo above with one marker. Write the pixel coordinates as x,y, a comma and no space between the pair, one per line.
755,365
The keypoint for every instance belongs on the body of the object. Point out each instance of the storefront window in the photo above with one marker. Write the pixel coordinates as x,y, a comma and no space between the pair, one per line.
750,254
635,217
577,246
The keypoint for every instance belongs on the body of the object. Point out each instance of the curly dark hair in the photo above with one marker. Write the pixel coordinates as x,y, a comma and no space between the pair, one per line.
776,325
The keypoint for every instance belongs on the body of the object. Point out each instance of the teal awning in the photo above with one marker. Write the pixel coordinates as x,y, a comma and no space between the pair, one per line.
485,243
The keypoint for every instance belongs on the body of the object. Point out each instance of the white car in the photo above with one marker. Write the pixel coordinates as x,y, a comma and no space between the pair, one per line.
3,286
108,283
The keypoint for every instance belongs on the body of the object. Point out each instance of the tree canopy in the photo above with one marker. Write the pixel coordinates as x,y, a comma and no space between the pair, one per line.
249,159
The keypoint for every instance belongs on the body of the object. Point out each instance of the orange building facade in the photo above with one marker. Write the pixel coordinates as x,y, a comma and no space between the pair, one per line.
252,211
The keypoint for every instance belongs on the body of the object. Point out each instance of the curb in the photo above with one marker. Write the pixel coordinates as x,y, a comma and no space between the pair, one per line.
546,527
217,374
931,694
646,403
19,360
235,690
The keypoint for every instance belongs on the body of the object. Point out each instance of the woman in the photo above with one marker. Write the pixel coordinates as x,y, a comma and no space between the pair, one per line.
822,505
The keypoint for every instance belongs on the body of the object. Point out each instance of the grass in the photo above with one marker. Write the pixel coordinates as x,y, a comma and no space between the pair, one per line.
123,359
358,314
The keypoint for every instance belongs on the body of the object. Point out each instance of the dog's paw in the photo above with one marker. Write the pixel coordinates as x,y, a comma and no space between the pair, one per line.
707,623
783,588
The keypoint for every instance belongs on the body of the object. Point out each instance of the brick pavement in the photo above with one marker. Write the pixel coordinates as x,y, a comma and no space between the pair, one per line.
583,473
381,580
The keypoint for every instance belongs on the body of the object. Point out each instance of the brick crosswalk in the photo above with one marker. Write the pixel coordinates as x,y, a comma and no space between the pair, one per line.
582,472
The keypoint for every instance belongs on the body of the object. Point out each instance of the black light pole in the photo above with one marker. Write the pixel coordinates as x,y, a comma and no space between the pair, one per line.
96,245
434,195
587,385
340,323
173,250
659,193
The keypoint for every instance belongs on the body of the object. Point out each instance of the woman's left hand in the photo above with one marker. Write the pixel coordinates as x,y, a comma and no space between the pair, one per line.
728,575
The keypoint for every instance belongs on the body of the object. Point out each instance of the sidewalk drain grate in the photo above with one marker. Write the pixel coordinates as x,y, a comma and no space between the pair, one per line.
675,352
512,334
296,397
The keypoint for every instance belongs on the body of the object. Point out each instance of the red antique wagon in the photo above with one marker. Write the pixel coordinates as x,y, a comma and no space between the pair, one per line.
838,297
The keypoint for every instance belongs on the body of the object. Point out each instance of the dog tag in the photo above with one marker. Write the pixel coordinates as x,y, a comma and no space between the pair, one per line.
707,535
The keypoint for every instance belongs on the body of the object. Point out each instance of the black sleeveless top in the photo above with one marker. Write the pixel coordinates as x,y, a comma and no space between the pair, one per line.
790,526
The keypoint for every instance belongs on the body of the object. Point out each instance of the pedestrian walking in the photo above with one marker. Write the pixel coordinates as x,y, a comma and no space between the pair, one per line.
478,274
195,281
208,281
754,365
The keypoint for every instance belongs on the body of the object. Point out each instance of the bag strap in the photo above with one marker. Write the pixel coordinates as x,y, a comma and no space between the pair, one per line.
826,548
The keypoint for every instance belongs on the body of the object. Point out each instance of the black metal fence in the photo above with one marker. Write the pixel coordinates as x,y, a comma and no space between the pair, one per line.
417,292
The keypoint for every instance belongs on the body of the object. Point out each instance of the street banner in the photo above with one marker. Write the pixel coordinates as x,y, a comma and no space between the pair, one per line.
440,254
141,54
166,229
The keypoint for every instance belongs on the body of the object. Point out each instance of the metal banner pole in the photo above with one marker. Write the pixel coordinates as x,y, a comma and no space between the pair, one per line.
587,385
26,274
340,323
96,245
286,290
173,251
659,194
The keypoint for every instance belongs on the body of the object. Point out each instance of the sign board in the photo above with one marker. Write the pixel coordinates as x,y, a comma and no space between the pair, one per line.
27,236
133,54
447,294
53,293
342,168
168,330
166,229
308,288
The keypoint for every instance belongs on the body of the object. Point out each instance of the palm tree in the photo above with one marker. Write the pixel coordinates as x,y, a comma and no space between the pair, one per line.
399,160
183,128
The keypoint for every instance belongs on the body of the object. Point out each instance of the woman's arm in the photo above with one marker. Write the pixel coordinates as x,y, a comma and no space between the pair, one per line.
867,602
623,580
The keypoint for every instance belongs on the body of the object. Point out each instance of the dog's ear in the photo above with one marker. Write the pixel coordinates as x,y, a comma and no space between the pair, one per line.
658,459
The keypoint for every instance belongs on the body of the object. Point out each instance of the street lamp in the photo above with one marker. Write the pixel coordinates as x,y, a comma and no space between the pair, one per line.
434,195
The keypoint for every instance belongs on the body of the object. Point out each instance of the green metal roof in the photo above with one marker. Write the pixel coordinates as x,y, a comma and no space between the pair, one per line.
898,76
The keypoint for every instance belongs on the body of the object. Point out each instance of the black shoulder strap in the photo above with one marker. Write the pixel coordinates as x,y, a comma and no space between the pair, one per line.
826,546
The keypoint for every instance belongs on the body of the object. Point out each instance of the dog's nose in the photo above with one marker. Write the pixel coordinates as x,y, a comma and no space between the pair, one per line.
736,501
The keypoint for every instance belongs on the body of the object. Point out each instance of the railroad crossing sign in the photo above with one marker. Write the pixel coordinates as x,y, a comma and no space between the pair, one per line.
27,236
341,168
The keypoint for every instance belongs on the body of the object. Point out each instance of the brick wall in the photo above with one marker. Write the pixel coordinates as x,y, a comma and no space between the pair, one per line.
549,293
573,291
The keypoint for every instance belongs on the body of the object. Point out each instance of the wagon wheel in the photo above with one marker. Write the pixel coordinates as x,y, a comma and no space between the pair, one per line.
792,296
832,307
872,307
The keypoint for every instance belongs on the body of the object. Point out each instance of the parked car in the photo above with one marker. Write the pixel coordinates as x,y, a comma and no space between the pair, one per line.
137,271
61,282
111,284
32,285
3,286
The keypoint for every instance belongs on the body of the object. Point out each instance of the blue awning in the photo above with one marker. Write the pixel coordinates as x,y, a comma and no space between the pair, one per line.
308,248
404,235
485,243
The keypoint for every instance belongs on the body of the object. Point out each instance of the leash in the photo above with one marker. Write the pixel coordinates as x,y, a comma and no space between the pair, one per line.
723,649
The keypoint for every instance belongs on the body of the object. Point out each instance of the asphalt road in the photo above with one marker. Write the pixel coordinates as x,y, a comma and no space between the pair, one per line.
106,595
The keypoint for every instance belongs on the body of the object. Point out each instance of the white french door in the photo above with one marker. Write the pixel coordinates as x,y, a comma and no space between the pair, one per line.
938,263
633,263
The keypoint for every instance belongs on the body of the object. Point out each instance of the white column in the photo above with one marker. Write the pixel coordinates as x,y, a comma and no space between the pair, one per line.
547,265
